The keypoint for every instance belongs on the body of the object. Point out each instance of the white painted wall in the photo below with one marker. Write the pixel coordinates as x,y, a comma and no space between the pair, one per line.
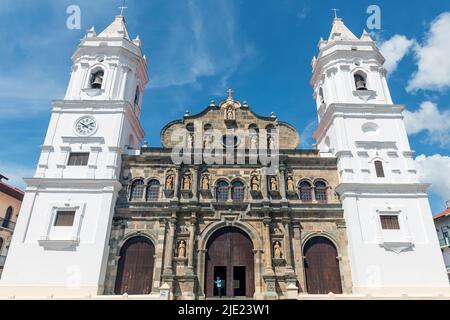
360,127
49,260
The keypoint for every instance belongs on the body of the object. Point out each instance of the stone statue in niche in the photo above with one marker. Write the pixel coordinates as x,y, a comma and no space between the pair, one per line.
186,182
181,249
273,184
254,183
253,142
207,143
230,113
190,140
277,253
270,142
205,182
169,182
290,184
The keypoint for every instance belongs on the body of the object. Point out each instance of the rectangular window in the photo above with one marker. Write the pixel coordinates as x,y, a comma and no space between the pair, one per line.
64,218
389,222
78,159
379,169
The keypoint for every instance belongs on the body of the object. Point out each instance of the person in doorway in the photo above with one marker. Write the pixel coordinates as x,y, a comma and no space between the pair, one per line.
219,285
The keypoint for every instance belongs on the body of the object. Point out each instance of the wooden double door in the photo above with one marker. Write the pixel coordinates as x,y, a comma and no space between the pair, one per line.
229,257
135,269
322,267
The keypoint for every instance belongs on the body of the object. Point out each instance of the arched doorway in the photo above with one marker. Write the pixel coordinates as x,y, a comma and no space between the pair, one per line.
322,267
229,255
135,270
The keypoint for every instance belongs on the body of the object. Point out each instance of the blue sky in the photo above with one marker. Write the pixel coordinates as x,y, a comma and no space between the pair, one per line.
197,49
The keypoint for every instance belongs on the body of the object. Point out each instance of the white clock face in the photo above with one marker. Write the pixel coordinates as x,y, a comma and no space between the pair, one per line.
85,126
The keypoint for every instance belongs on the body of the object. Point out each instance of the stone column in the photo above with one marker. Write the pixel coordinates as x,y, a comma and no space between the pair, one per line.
282,178
159,258
192,229
287,244
297,254
168,270
194,183
176,185
267,247
264,185
269,275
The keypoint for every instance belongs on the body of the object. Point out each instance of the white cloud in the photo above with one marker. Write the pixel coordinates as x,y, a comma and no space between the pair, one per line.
394,50
433,58
430,119
435,169
15,173
306,140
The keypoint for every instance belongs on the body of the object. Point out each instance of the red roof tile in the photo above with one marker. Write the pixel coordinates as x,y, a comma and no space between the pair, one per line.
442,214
11,191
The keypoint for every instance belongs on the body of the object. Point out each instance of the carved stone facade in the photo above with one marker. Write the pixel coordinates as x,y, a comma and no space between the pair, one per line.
267,208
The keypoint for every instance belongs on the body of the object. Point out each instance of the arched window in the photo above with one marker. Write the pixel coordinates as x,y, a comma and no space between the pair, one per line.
360,81
153,190
136,96
97,79
379,169
137,190
320,190
321,97
8,216
222,191
237,191
305,191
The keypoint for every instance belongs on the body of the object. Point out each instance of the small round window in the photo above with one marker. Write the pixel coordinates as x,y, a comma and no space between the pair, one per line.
370,128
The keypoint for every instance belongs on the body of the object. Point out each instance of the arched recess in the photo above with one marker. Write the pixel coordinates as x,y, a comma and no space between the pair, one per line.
257,250
98,72
321,264
229,256
135,267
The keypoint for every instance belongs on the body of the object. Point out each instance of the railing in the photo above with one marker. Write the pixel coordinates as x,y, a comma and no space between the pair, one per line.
7,224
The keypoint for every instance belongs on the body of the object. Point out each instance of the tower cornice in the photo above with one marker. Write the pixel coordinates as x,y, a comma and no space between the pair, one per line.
350,110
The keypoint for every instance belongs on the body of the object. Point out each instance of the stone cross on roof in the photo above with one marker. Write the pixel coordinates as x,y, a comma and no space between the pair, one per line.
230,92
122,8
335,12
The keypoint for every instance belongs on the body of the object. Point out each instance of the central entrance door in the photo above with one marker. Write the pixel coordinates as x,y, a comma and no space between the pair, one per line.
229,257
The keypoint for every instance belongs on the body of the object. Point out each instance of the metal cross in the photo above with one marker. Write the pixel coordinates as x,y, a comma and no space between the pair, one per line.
122,8
230,92
335,12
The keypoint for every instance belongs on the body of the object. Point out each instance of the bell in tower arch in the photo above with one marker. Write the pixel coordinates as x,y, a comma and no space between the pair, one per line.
360,82
97,80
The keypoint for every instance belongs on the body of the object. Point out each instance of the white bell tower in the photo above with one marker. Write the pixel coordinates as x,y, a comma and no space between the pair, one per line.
60,244
393,245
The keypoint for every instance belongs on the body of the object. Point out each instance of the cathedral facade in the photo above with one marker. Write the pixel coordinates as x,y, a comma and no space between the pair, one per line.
232,219
228,206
